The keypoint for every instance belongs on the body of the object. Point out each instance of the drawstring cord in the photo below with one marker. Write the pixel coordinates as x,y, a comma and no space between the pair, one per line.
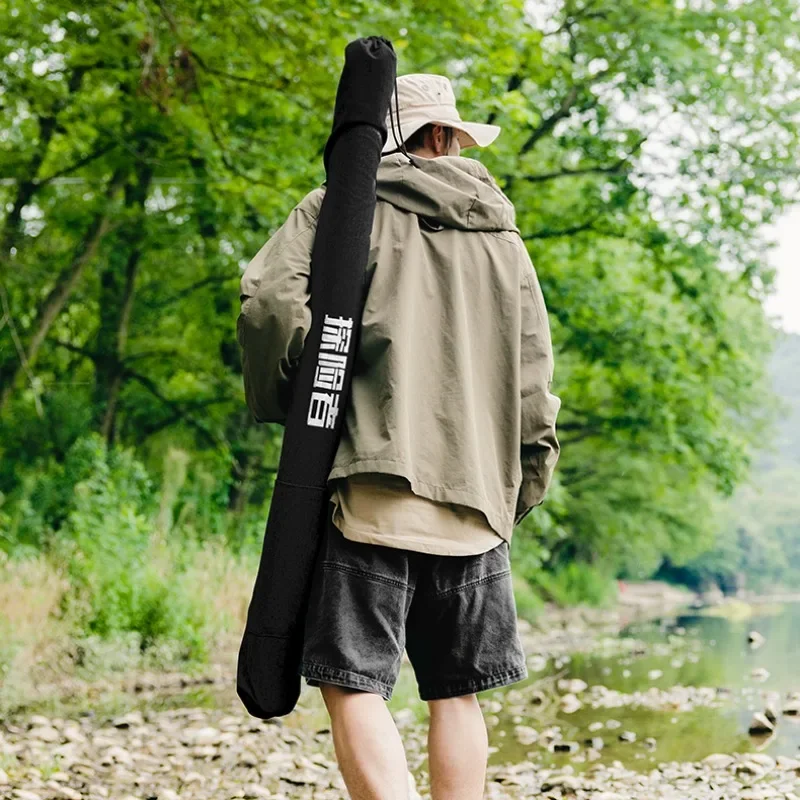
400,144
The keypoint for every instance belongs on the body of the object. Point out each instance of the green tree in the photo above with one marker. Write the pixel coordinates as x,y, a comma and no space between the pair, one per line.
152,147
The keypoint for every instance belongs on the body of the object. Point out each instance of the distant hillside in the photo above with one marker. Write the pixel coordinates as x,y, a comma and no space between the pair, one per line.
786,380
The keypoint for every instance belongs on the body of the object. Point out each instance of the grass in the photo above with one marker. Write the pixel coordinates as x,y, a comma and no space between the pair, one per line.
45,640
30,629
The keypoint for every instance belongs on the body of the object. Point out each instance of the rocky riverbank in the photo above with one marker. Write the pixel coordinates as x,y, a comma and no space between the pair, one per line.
608,735
204,754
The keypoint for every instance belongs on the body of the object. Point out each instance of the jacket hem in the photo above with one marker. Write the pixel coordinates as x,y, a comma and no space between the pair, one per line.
438,492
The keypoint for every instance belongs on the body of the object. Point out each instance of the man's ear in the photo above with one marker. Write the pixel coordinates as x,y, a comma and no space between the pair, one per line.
438,134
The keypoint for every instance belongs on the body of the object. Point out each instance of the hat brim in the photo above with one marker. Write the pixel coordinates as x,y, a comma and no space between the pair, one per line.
469,134
476,133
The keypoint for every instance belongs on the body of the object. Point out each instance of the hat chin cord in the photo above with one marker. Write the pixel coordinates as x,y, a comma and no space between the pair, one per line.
400,144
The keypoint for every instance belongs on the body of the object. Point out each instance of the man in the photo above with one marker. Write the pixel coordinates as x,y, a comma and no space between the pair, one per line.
449,441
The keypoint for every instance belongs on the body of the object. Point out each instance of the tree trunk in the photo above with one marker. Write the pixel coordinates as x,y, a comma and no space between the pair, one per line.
117,293
60,293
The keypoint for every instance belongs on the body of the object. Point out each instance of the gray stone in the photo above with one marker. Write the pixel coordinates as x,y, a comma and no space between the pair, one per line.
719,761
202,736
760,725
46,733
567,782
570,704
596,742
25,794
565,747
253,790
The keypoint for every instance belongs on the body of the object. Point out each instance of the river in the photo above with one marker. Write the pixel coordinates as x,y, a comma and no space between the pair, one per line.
648,665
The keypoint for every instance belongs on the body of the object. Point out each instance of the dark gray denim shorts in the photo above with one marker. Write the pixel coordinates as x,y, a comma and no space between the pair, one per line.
455,616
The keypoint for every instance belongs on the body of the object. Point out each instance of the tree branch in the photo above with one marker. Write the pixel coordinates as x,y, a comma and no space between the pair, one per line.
548,124
611,169
178,410
210,279
553,234
81,162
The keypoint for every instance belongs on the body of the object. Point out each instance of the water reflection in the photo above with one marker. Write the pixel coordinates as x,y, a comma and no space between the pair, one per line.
690,651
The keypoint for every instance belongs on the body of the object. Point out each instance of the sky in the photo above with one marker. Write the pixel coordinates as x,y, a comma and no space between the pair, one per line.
784,305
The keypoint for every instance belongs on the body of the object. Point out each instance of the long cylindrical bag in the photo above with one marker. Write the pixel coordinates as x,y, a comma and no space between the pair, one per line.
268,679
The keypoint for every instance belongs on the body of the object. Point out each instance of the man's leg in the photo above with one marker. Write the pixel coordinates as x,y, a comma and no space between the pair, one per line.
458,748
367,743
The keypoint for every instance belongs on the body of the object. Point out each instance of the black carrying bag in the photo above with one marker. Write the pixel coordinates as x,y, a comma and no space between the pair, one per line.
268,680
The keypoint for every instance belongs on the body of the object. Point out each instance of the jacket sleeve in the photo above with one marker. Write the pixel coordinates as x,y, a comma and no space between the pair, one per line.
539,447
275,315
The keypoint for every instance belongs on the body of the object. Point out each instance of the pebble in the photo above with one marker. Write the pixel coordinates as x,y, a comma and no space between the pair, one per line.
202,737
567,782
24,794
252,790
46,733
719,761
126,721
65,791
596,743
570,704
572,685
566,747
248,759
792,708
525,734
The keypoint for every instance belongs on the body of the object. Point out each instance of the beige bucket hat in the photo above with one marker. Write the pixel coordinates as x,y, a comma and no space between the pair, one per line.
427,98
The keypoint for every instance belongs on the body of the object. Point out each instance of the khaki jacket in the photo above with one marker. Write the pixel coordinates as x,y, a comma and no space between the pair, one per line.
451,384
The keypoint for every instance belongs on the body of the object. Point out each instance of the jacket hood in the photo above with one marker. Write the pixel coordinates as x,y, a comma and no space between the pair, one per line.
454,191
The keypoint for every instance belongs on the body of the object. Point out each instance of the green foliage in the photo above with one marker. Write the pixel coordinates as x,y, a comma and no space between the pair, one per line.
121,577
151,149
578,582
529,603
758,540
130,568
